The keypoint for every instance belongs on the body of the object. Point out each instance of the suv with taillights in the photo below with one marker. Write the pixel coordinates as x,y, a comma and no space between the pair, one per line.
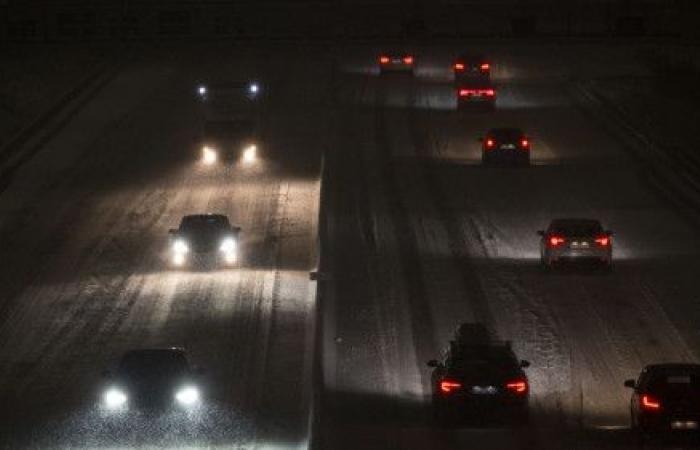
509,145
470,67
396,62
479,381
476,94
576,240
666,400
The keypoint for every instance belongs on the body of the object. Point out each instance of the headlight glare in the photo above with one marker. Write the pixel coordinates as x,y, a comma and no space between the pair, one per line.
187,396
180,246
114,398
228,245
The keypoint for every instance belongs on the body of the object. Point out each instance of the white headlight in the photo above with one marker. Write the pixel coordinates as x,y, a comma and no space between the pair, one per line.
228,245
114,398
180,246
253,88
209,155
250,154
187,396
202,90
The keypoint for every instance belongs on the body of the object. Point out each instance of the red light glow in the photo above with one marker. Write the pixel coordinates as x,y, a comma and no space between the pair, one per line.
485,67
408,59
448,386
556,240
524,143
489,92
490,143
459,66
603,241
517,386
384,59
650,403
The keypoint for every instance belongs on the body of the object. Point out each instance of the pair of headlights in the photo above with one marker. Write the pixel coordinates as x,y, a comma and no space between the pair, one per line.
115,398
210,155
227,248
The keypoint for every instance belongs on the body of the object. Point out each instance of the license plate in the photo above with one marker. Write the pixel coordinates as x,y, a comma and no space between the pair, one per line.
397,61
684,425
507,146
484,390
579,244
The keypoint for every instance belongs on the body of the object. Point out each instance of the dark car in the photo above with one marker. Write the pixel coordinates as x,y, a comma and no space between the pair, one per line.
576,240
666,400
470,66
202,238
510,145
479,380
476,94
157,380
231,120
396,61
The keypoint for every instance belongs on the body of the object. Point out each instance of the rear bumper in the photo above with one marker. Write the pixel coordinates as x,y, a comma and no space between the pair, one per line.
396,68
484,103
517,156
567,255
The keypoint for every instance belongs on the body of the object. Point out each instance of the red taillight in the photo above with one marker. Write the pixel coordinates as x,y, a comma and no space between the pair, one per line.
465,92
459,66
517,386
556,240
603,241
384,59
489,92
485,67
490,143
448,386
650,403
408,59
524,143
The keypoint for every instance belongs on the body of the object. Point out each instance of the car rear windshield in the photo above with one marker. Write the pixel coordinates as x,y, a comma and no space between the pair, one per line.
670,383
577,228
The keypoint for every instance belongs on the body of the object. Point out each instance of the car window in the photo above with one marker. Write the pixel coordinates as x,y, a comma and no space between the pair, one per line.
669,383
150,364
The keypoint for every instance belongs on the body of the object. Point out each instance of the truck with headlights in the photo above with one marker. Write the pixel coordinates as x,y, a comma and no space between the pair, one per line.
204,239
231,117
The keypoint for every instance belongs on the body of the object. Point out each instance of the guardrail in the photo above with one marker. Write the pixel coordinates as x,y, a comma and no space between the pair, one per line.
31,20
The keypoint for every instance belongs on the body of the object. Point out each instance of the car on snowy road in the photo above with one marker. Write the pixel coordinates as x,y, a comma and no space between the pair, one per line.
576,240
204,239
396,62
505,145
232,116
666,400
152,381
479,380
470,66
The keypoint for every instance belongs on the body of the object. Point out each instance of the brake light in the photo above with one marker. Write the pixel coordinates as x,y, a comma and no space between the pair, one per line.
517,386
490,143
524,143
384,59
408,59
556,240
465,92
459,66
603,241
485,67
650,403
448,386
489,92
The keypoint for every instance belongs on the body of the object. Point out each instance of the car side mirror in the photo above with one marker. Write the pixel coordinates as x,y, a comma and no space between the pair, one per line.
172,231
433,363
524,363
540,232
237,229
630,384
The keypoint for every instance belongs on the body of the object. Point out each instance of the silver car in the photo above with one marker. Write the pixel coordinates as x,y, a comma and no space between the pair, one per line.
576,240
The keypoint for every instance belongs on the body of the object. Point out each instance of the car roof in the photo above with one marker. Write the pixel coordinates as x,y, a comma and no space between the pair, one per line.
574,221
672,366
204,217
506,131
472,57
155,351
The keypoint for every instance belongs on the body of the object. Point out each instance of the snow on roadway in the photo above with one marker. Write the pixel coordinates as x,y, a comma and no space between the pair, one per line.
85,227
426,239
